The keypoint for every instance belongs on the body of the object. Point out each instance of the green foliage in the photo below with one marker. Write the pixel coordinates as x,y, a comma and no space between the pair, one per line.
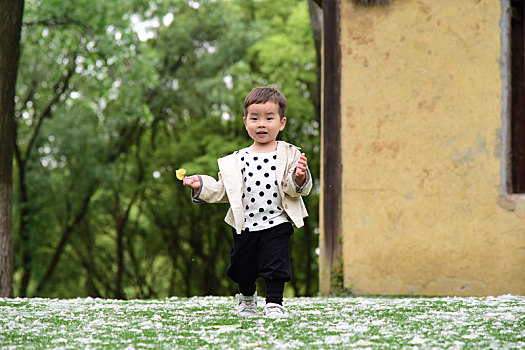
105,117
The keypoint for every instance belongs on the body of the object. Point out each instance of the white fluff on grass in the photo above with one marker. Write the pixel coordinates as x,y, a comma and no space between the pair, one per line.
211,322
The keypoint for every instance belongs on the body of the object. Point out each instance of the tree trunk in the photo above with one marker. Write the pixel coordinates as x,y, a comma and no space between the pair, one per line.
121,222
23,228
68,230
10,26
308,234
60,87
316,23
119,292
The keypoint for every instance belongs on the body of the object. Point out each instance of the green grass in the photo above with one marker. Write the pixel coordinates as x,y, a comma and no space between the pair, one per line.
314,323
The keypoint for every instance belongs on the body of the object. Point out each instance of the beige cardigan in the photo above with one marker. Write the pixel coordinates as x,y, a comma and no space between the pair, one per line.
229,187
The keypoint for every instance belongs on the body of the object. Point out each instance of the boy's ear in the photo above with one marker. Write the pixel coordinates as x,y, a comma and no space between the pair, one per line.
283,123
244,120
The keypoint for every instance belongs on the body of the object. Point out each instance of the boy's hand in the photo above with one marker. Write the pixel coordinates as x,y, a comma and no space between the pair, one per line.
300,171
192,182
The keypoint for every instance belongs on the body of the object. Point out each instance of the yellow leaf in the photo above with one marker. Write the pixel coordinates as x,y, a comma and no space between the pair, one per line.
180,173
251,345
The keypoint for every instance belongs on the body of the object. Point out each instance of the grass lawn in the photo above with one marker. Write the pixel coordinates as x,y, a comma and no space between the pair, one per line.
314,323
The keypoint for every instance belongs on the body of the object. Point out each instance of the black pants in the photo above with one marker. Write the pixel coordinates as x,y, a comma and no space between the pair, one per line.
263,254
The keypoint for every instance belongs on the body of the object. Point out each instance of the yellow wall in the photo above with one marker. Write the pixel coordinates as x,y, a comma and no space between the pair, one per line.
421,150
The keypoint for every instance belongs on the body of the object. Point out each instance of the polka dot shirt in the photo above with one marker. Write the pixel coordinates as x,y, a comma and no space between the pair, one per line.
260,195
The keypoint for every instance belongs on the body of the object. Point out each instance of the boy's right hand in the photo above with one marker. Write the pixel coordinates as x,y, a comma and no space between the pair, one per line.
192,182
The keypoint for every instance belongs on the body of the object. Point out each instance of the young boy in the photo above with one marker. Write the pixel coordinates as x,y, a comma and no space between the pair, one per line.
263,184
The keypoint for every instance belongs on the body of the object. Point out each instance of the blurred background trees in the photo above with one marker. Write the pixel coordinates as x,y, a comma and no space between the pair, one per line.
112,97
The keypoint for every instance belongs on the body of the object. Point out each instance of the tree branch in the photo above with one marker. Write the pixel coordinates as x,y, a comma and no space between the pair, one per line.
30,93
60,88
64,239
56,22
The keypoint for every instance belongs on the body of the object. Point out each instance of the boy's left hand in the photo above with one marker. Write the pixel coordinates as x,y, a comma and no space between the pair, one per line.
300,171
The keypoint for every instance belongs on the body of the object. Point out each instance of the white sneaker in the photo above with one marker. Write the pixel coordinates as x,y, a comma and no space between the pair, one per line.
247,306
273,310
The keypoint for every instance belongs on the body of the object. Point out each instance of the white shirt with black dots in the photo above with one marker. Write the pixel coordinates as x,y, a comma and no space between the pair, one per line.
260,195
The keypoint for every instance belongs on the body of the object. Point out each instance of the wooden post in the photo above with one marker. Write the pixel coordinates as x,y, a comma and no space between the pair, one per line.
331,172
517,124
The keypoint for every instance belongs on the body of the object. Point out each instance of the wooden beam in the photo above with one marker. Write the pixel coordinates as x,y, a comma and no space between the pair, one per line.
332,167
518,97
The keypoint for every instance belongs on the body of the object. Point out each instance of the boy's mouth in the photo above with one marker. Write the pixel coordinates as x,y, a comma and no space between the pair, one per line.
261,133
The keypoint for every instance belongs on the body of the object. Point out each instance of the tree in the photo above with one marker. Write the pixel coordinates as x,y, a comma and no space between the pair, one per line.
102,128
10,27
63,46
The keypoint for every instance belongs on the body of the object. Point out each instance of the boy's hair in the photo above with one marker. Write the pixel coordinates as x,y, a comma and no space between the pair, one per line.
263,94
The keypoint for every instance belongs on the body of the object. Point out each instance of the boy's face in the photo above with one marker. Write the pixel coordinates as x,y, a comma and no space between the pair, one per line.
263,122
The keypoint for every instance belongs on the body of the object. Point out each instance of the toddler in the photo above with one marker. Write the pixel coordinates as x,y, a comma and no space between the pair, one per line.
263,184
